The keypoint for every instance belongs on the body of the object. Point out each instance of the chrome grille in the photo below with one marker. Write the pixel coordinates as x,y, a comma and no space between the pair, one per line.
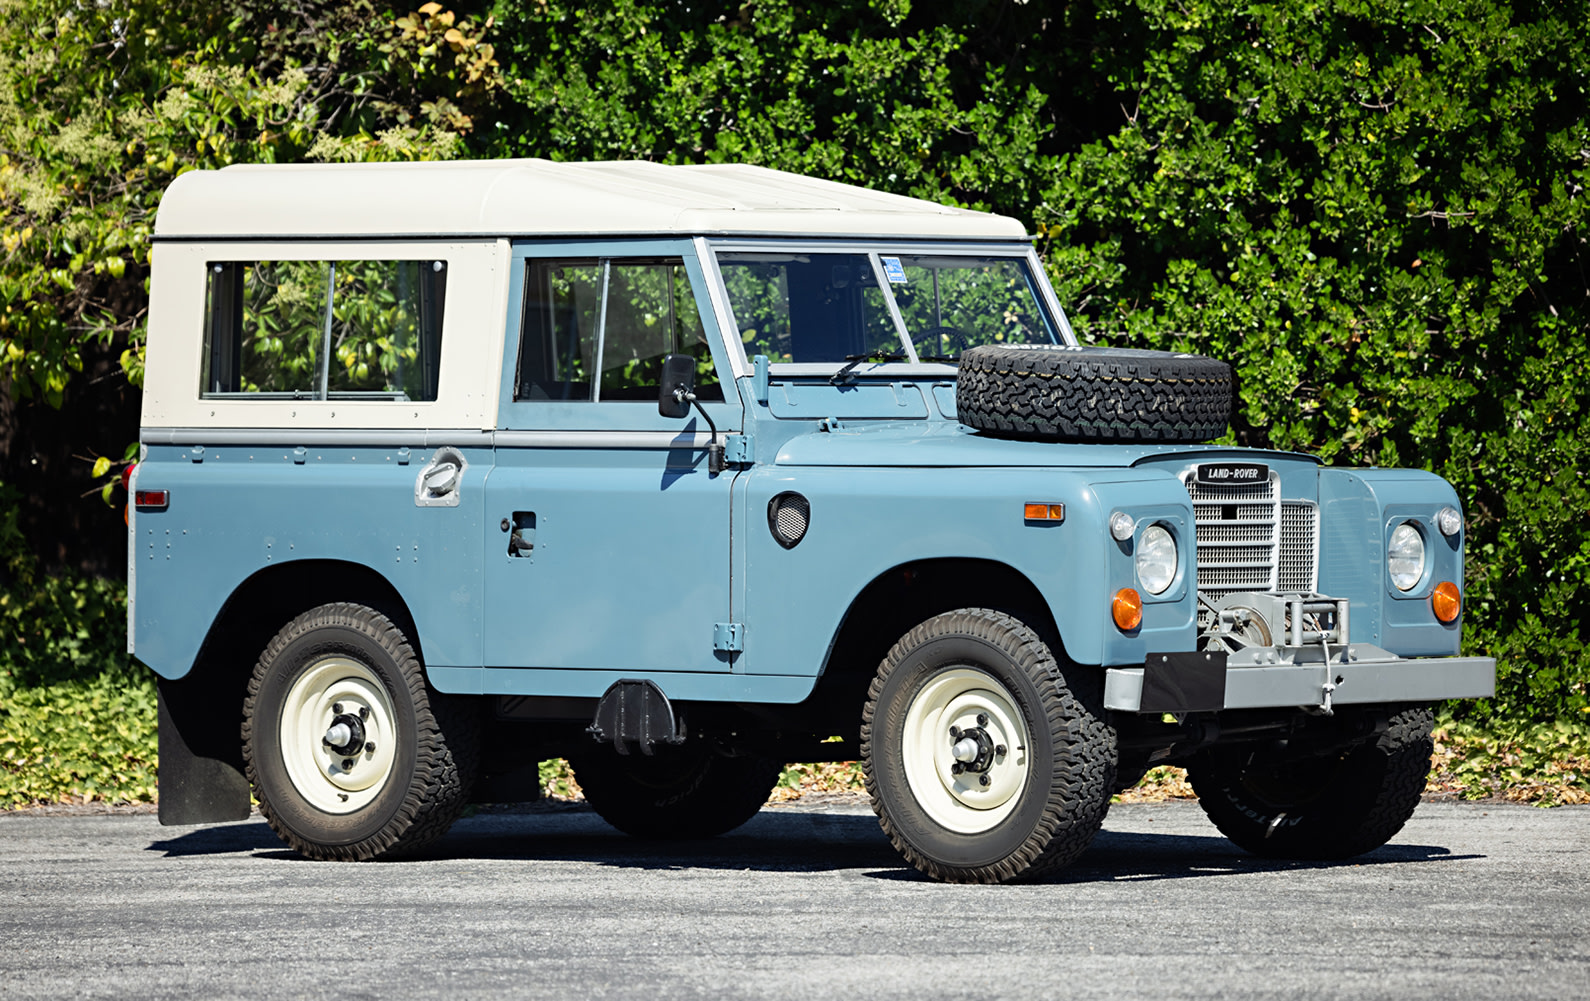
1248,540
1236,527
1299,543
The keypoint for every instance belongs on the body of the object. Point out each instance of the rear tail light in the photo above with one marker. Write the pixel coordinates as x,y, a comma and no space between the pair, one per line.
152,500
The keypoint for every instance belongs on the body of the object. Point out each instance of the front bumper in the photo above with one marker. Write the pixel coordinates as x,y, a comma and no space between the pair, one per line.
1364,675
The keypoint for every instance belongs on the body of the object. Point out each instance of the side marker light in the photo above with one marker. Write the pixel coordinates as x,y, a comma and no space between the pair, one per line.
1127,609
1446,602
1044,512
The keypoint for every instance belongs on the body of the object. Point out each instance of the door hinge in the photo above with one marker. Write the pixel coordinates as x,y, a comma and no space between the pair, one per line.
739,448
728,636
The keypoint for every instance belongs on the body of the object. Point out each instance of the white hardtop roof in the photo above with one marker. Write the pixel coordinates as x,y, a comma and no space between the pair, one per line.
495,198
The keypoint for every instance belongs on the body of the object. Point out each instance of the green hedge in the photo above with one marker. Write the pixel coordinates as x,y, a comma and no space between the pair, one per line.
77,717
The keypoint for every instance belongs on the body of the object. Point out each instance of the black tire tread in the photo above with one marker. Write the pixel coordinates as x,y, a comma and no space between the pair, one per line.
1373,792
447,740
1093,394
1073,705
719,794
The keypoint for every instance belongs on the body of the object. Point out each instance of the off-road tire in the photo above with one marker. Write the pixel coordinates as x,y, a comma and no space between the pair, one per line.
1331,808
1069,760
1062,393
435,738
696,790
1129,771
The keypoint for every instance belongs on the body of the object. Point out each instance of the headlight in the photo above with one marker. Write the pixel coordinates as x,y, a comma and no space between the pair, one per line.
1405,556
1156,559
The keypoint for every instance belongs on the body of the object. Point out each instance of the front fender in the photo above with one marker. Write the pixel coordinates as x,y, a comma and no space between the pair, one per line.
864,522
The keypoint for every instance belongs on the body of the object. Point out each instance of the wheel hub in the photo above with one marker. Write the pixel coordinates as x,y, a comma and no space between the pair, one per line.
965,750
974,749
338,735
346,736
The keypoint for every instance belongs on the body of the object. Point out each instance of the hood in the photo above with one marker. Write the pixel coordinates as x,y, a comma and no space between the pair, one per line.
946,444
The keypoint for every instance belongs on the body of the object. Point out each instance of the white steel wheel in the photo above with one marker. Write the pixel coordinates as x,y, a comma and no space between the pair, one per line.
350,753
965,750
338,735
986,757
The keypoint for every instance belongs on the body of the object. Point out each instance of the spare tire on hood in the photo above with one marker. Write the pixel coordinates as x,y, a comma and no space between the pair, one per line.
1058,392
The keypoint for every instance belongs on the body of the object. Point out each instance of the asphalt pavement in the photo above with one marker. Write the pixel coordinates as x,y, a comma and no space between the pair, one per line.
806,901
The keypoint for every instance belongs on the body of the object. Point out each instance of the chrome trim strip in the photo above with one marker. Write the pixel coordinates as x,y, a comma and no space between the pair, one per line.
426,438
872,243
1041,277
662,440
323,437
718,297
879,276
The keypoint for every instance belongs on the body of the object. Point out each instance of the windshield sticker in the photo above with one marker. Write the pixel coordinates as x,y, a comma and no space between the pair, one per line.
893,271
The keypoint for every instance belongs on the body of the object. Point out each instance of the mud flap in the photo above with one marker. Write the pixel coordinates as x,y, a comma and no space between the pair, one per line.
1187,681
201,758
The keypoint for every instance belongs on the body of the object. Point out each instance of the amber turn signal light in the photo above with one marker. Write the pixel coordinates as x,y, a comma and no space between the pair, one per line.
1446,602
1127,609
1044,512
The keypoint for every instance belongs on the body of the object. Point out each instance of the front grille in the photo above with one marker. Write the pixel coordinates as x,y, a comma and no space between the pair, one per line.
1236,530
1299,543
1249,541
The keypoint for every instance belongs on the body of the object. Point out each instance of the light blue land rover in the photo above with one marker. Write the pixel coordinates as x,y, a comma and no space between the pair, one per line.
685,472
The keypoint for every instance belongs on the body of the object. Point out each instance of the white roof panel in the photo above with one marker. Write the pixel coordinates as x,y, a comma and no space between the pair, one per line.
546,198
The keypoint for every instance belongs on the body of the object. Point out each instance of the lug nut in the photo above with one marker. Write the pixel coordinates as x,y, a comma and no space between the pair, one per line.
982,719
955,733
336,707
957,768
983,780
369,747
347,764
364,712
999,749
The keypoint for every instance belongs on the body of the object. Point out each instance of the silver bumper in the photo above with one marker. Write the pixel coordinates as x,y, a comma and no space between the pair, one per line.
1318,685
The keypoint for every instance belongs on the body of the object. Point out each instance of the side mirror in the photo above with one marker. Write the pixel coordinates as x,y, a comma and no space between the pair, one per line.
678,386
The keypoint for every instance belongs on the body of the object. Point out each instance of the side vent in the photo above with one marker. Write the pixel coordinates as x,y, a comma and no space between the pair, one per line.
788,516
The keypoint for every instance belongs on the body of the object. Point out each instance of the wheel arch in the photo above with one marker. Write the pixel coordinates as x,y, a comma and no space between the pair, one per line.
903,596
200,713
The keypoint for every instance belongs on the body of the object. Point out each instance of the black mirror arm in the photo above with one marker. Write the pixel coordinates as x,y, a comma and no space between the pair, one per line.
714,447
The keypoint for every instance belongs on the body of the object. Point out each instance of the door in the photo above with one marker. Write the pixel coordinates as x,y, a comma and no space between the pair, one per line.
608,538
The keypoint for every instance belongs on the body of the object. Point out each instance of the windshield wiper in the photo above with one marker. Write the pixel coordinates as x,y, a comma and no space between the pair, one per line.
847,374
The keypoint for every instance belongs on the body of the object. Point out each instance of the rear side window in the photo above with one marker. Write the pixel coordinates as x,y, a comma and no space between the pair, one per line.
324,330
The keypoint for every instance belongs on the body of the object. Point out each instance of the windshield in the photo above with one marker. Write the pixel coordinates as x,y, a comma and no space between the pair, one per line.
835,307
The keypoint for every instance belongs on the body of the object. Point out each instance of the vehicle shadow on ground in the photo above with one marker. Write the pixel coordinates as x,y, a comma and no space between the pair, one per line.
789,841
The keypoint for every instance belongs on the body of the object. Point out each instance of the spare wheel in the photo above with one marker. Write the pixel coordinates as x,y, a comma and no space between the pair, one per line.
1059,392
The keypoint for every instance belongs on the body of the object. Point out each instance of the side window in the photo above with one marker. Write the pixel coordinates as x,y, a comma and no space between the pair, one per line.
599,329
324,330
557,342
